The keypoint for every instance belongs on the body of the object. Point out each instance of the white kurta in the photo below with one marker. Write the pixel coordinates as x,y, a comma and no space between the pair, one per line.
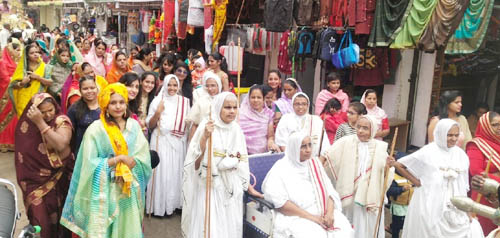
283,183
165,196
443,173
230,176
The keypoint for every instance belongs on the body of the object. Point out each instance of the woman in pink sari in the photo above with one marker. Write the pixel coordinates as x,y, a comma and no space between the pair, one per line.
98,59
8,120
256,121
332,90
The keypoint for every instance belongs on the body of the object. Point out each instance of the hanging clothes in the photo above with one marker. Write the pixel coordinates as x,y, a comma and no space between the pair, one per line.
220,7
389,16
183,15
168,18
360,14
470,33
444,21
420,14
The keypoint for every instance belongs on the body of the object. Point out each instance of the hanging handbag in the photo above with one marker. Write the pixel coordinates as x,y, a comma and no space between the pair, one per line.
348,56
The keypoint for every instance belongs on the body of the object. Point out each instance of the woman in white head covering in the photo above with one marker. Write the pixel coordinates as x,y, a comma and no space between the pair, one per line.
307,203
202,98
441,171
301,120
358,162
167,120
230,173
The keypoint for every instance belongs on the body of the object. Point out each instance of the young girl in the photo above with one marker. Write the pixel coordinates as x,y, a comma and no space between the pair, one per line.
147,93
217,64
166,67
332,90
369,99
59,72
333,117
197,73
354,111
274,81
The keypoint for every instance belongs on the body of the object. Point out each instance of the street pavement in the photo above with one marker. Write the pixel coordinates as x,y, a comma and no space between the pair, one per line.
154,227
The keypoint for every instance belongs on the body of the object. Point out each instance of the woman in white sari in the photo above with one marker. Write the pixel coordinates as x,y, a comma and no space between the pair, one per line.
230,173
441,171
301,120
202,99
167,120
358,163
307,203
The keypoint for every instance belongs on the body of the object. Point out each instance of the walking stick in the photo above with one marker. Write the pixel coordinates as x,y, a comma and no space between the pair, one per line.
239,71
206,231
386,177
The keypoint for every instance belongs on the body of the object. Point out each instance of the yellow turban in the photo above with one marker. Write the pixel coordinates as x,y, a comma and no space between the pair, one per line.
115,135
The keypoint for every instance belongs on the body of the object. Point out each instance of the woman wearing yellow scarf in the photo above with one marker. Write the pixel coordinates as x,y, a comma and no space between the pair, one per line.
106,195
28,79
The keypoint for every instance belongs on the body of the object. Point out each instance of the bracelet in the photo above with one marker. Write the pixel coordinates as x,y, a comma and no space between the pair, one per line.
45,130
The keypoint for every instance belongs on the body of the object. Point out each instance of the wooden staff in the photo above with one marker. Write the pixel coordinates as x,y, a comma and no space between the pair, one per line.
386,177
239,70
206,231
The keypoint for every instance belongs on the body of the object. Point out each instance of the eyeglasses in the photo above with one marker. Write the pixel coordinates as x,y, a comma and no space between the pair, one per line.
180,71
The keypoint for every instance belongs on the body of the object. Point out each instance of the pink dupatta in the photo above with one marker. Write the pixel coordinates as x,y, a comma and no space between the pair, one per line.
326,95
254,125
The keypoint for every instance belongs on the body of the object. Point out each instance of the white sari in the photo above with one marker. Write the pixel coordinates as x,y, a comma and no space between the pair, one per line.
169,140
230,176
306,185
443,173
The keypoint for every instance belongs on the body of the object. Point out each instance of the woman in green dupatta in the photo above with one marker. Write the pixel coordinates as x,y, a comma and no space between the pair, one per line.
59,69
29,78
106,195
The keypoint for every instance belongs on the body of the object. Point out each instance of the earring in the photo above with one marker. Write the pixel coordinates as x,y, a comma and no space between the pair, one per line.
107,114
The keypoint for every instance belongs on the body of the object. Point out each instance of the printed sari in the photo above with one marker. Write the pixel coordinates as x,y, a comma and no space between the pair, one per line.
21,97
42,173
8,119
106,201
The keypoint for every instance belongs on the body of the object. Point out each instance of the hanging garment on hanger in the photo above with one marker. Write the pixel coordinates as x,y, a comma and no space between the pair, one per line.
420,14
470,33
195,13
168,18
444,21
183,14
220,7
278,15
389,16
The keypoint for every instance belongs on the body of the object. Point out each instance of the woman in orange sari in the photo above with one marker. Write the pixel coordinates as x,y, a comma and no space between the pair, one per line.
44,162
120,67
11,54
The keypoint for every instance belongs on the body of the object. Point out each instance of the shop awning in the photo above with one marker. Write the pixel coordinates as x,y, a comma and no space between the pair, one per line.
45,3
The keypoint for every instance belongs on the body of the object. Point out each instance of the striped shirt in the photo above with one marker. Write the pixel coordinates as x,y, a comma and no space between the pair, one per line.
344,130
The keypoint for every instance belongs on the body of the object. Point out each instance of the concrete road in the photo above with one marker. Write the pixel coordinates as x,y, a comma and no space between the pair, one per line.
154,227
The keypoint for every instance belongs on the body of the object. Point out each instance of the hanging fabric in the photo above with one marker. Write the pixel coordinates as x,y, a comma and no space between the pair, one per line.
389,16
278,15
284,62
420,14
183,14
169,15
470,33
230,52
220,7
444,21
360,15
195,13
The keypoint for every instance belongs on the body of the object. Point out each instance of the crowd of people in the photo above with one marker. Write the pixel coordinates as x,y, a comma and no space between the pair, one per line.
102,137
